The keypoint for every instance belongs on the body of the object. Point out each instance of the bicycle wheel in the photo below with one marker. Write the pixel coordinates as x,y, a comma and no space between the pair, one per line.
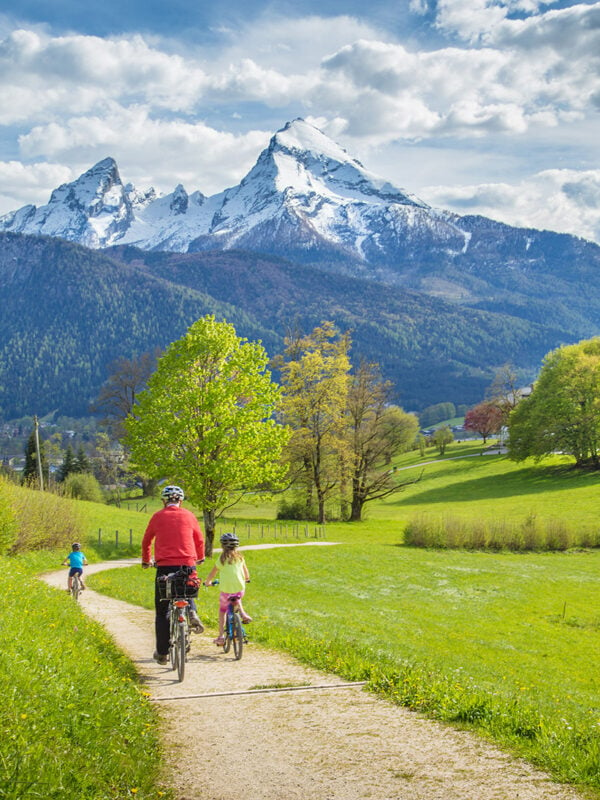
173,638
75,587
238,636
228,632
180,649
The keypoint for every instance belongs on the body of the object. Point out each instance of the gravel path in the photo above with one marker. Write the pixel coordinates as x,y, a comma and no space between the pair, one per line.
229,738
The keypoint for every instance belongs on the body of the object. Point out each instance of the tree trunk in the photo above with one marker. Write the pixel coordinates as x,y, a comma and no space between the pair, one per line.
356,511
209,530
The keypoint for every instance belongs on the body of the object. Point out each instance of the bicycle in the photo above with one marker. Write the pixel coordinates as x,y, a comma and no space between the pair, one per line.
178,586
76,586
234,632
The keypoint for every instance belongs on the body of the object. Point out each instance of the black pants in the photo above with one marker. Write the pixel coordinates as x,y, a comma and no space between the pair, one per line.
161,620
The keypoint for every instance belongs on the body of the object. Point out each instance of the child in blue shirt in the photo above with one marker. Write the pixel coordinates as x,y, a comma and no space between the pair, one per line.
77,561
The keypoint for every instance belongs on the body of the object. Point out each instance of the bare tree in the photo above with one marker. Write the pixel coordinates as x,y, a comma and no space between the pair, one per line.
119,392
377,432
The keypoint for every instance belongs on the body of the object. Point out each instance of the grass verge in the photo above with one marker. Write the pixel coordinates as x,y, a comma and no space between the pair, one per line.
74,718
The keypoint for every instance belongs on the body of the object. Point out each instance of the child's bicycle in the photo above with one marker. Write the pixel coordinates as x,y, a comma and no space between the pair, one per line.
178,586
76,586
233,633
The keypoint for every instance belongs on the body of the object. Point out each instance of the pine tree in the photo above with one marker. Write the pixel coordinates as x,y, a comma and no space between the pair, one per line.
82,462
68,464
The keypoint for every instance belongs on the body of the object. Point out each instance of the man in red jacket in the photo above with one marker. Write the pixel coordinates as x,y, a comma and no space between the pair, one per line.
178,542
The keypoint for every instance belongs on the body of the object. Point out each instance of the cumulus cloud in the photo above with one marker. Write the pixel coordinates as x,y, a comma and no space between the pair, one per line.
150,150
557,199
75,99
29,183
41,74
538,71
476,19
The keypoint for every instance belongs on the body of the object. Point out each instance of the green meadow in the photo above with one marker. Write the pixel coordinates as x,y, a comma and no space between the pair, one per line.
505,643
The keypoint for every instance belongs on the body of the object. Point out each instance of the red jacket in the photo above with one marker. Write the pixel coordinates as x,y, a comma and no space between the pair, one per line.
178,540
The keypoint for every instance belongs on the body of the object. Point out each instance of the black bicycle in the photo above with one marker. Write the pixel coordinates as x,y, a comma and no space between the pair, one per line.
179,586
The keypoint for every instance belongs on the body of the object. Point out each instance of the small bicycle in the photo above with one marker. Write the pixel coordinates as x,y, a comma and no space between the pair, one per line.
178,587
234,632
76,586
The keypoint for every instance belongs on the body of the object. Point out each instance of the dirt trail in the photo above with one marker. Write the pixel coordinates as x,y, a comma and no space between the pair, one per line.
334,743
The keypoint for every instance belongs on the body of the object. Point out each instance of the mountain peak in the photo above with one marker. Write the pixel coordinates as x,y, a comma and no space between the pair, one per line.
300,136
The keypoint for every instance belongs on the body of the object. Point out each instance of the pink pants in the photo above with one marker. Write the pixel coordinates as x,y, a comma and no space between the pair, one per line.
224,598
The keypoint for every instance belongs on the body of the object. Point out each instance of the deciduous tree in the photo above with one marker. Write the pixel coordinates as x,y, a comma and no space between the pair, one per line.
376,431
206,419
314,372
563,411
442,438
118,394
485,419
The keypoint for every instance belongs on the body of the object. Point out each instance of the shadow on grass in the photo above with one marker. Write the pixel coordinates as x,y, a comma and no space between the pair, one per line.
529,480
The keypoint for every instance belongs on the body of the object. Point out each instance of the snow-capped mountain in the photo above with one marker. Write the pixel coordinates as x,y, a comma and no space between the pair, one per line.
305,193
308,201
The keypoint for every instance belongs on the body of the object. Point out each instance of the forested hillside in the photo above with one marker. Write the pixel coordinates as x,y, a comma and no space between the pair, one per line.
68,312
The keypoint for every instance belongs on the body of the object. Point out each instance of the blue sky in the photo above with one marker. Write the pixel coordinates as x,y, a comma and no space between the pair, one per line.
486,106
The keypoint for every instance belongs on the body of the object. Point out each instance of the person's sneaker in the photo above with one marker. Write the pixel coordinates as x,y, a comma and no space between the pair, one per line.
195,622
160,659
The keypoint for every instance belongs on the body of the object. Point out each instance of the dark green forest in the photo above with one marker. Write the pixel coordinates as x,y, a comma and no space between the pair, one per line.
69,312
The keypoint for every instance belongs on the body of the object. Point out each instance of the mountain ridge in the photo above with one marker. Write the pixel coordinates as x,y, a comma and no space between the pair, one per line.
71,311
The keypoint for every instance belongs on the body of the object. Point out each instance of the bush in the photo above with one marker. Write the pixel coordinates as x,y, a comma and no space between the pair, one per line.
427,530
294,509
82,486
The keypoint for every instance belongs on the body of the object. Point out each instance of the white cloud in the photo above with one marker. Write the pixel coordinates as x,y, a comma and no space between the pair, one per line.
150,150
476,19
41,75
561,200
29,183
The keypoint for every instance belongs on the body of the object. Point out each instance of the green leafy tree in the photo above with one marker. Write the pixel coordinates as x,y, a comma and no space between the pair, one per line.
314,373
563,411
377,431
206,420
442,438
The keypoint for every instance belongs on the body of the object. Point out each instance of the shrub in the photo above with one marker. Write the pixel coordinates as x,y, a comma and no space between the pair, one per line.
82,486
558,536
293,509
427,530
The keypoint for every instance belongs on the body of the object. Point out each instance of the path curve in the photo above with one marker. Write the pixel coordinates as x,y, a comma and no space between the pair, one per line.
334,743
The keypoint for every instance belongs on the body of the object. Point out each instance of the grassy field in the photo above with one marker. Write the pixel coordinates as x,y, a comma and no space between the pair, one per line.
74,718
506,643
509,644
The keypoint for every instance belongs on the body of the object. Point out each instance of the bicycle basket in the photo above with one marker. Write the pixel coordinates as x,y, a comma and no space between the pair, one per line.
182,583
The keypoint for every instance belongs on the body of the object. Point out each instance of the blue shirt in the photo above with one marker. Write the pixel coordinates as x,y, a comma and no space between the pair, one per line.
76,559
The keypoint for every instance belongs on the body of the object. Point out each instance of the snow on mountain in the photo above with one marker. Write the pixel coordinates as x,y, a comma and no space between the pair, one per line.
304,197
95,210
